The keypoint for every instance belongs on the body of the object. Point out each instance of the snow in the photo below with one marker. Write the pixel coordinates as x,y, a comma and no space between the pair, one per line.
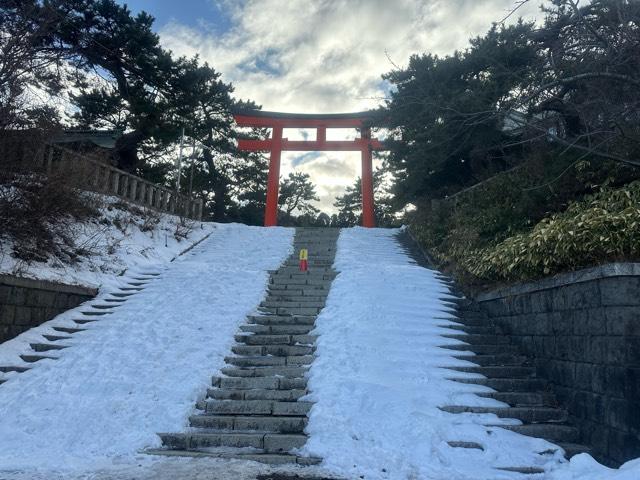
378,380
121,238
139,370
584,467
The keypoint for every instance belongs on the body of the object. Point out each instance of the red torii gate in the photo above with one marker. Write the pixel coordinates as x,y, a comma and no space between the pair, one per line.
276,145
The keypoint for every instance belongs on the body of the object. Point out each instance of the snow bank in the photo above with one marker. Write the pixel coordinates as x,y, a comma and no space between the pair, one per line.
584,467
139,370
122,237
378,380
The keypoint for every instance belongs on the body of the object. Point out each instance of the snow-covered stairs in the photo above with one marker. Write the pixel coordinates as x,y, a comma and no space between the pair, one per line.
255,409
527,398
95,310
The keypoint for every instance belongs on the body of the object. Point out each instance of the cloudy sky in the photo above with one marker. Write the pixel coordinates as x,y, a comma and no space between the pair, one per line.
319,55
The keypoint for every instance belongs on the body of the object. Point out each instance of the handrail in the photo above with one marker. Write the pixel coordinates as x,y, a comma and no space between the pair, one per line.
115,181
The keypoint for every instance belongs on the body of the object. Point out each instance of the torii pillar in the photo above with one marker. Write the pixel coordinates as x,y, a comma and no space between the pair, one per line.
277,144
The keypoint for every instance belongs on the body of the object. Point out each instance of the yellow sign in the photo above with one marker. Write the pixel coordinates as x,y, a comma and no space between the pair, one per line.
304,254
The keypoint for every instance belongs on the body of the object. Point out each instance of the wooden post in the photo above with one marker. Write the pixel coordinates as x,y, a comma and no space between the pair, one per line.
143,193
116,183
134,189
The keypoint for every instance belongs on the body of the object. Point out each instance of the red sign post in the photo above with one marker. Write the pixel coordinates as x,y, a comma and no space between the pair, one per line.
277,144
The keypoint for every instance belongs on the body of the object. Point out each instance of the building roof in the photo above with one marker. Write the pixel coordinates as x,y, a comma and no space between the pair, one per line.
102,138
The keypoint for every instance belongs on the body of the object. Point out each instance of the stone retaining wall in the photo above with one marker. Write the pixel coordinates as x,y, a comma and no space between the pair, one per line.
26,303
582,330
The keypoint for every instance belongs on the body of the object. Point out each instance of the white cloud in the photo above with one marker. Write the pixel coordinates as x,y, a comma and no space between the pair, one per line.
329,55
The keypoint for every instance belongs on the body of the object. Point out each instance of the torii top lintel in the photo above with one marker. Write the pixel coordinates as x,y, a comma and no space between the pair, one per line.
279,120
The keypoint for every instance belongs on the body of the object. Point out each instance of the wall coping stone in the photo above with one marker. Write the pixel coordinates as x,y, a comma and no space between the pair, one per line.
562,279
14,281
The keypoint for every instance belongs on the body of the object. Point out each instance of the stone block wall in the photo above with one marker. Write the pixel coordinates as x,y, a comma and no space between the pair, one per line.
26,303
582,331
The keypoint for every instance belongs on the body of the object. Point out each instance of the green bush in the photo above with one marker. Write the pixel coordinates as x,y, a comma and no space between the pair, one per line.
602,227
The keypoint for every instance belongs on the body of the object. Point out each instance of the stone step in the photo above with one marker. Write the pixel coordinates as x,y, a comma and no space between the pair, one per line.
277,329
302,282
485,349
494,360
480,339
257,407
257,361
525,414
270,361
275,350
296,296
572,449
46,347
36,358
84,321
9,368
523,470
550,432
264,339
499,372
69,330
130,289
122,295
96,314
282,319
521,399
302,276
285,371
276,339
259,383
291,304
256,394
290,310
507,384
270,442
249,423
317,263
56,338
266,458
319,273
473,445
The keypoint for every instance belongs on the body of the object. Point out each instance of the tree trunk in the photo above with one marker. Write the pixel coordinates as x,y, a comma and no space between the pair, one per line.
220,188
126,150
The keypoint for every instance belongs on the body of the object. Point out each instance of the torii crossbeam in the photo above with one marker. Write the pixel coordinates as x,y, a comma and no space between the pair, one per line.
321,122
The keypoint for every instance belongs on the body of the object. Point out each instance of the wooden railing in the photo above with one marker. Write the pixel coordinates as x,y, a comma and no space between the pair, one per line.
97,176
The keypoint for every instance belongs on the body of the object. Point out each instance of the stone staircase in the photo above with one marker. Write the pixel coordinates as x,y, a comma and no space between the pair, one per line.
256,410
52,343
508,372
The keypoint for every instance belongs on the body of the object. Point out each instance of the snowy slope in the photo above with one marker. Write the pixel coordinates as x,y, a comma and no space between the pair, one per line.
378,383
140,370
122,237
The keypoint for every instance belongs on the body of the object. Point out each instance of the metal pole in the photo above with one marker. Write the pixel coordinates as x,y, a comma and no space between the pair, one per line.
193,161
179,162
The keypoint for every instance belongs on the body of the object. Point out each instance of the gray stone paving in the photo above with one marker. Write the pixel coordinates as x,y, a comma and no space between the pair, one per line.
254,410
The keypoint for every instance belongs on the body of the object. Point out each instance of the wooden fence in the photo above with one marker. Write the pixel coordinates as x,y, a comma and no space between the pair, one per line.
95,175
